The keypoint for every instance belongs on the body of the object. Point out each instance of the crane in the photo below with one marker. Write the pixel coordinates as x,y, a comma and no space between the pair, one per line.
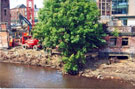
30,11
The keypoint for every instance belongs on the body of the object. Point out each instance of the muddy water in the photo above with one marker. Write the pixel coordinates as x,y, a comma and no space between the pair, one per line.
22,76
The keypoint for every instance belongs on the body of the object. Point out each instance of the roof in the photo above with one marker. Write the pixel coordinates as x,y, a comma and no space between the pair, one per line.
20,6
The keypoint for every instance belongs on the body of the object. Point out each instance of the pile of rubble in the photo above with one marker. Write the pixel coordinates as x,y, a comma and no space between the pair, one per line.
122,70
31,57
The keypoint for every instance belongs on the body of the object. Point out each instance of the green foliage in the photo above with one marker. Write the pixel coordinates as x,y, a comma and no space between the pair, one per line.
74,62
115,32
73,26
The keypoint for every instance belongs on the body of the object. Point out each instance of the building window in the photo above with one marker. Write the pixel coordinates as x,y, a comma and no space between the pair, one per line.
119,6
124,41
124,22
113,41
5,12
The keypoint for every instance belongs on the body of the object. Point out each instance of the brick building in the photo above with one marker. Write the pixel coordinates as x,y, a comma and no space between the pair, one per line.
15,13
5,11
120,46
22,10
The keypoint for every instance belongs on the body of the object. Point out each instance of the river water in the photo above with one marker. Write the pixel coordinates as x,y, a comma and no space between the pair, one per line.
25,76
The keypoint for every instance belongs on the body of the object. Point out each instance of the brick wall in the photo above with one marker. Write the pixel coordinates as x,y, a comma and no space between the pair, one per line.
3,40
5,11
130,48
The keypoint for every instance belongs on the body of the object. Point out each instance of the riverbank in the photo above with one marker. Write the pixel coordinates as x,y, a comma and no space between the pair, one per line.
122,70
30,57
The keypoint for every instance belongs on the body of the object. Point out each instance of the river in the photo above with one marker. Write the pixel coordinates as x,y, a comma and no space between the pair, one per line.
25,76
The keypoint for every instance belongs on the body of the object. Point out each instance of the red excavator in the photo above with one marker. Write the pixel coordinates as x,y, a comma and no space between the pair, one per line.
26,40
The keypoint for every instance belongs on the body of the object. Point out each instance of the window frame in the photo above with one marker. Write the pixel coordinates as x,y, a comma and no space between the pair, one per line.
5,11
114,41
126,39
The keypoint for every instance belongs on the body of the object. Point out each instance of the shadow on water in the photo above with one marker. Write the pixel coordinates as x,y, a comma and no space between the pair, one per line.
24,76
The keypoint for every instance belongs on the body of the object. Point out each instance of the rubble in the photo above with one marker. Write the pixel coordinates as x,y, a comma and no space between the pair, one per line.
123,70
30,57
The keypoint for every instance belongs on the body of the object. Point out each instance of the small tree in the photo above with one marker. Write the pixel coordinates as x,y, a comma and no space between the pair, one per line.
73,26
115,32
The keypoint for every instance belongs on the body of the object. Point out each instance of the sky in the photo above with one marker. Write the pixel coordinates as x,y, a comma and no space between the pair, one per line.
14,3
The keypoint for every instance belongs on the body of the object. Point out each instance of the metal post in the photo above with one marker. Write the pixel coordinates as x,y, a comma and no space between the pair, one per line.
30,11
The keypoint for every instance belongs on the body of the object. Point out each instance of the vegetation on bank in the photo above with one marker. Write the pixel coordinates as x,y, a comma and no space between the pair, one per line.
73,27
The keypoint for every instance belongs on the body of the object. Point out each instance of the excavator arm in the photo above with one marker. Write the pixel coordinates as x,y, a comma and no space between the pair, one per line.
22,18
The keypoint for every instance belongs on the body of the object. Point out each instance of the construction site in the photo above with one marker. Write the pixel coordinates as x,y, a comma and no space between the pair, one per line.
11,36
113,61
20,35
13,39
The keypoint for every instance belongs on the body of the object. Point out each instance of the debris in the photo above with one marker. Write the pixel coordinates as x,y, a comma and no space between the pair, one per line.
29,56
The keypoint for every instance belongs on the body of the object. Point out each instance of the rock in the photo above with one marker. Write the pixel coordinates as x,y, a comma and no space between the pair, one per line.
112,77
87,75
34,62
48,65
81,72
99,77
53,66
117,71
87,71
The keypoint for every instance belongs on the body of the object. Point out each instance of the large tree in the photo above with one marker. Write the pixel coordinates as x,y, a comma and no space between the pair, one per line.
73,26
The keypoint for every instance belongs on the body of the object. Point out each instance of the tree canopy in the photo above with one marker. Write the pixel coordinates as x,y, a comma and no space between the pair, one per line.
73,26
